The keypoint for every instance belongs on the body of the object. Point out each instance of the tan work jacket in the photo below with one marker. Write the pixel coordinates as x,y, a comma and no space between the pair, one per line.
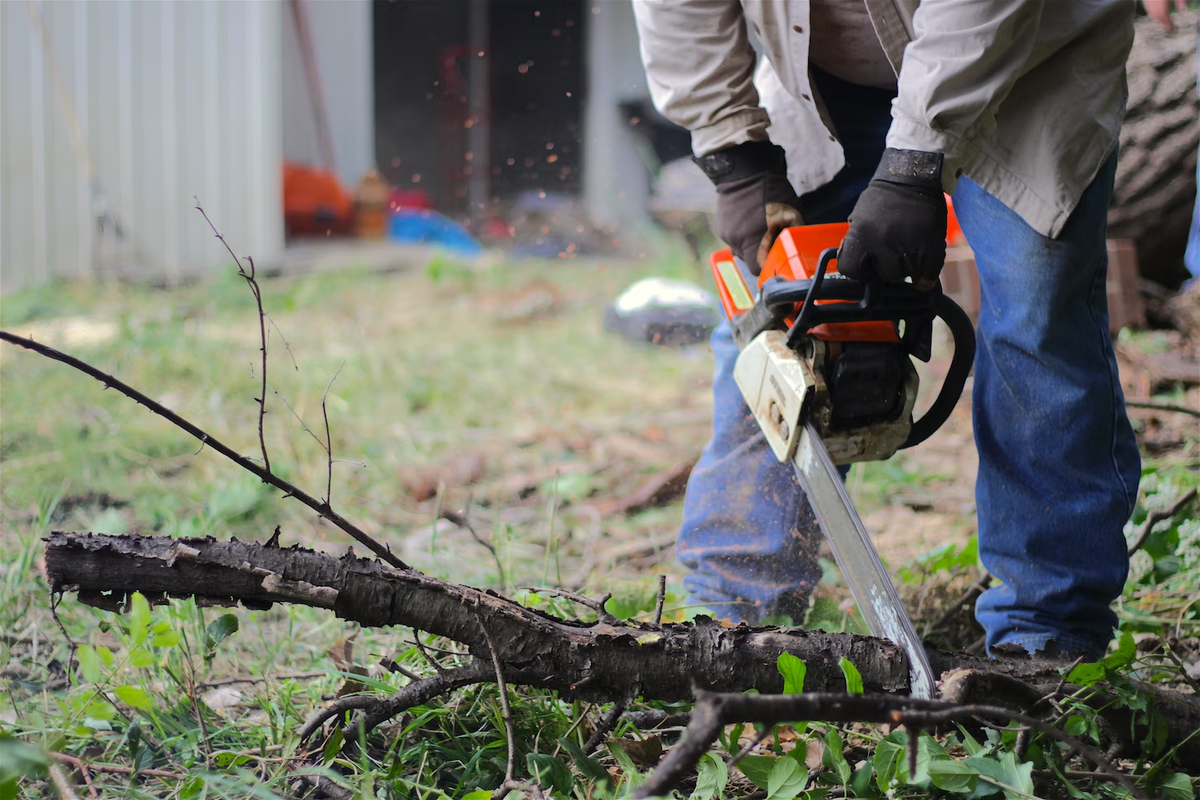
1025,97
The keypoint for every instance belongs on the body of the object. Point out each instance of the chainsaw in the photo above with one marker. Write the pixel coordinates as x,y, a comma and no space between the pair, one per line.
826,366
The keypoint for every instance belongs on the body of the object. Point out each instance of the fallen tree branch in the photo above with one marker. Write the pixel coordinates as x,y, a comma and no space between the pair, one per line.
602,661
1155,517
263,473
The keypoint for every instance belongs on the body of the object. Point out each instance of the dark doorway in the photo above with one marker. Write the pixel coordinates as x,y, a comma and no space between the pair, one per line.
422,118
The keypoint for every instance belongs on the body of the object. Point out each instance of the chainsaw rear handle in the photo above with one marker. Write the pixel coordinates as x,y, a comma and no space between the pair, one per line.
875,300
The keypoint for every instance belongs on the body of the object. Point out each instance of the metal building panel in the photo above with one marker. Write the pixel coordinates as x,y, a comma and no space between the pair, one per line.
174,101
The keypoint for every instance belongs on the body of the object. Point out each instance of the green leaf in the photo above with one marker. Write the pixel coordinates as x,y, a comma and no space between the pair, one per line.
165,638
793,671
106,655
833,758
550,772
221,629
757,769
860,783
888,758
1178,787
733,738
786,779
1018,776
89,664
969,742
854,681
478,794
1095,671
139,617
140,657
134,697
711,777
954,776
591,769
194,788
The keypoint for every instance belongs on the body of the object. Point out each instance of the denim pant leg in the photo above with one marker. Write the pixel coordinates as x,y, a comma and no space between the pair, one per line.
748,535
1058,462
750,552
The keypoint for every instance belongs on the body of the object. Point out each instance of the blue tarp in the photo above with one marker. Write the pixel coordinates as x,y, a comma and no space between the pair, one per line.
430,227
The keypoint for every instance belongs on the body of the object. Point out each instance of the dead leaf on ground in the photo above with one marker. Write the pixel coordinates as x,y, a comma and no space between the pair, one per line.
659,489
645,753
422,481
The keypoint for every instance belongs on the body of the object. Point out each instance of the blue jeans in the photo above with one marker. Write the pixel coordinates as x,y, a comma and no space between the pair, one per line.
1059,465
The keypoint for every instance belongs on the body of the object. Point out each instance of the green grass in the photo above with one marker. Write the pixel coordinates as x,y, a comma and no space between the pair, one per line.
526,418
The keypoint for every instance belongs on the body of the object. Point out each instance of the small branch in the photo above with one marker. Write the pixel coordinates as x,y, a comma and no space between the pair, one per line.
328,438
509,730
339,706
463,520
713,711
420,692
256,290
1156,406
262,472
586,602
285,676
1155,517
116,769
604,727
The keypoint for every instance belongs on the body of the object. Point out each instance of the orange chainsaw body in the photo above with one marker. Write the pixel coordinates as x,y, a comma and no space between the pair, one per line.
794,256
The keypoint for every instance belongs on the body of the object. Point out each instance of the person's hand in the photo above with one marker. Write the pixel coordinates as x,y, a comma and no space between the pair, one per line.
1160,12
755,200
898,226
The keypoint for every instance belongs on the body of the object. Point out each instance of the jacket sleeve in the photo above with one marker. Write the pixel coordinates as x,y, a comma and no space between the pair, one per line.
700,69
963,60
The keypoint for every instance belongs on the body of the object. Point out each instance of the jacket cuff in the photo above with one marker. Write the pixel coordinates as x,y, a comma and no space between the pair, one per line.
744,126
908,135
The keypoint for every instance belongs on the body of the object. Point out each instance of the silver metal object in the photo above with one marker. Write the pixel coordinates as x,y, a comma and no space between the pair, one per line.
860,564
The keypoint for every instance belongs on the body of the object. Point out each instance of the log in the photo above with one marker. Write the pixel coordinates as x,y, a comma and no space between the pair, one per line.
604,661
1156,171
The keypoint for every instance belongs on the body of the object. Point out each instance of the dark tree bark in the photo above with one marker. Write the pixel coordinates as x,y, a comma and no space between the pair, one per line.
606,660
1156,173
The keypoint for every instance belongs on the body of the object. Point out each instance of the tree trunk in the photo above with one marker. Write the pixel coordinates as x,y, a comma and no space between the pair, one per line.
1156,173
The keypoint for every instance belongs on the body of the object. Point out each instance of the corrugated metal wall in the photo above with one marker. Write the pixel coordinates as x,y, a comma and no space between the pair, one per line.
171,101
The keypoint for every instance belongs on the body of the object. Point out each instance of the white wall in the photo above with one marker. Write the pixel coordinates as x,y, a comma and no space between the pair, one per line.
172,101
341,32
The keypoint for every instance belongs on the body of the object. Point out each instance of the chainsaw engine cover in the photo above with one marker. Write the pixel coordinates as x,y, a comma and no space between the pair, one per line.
785,389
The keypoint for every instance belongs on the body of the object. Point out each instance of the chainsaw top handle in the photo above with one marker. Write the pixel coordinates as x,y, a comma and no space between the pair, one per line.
874,300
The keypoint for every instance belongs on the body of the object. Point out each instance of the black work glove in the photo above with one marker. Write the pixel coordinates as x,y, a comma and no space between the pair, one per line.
755,200
898,226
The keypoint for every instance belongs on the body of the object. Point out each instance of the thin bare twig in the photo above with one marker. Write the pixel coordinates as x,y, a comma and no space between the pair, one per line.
1156,406
1155,517
116,769
284,676
463,520
328,438
55,599
587,602
256,290
604,727
509,728
245,463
